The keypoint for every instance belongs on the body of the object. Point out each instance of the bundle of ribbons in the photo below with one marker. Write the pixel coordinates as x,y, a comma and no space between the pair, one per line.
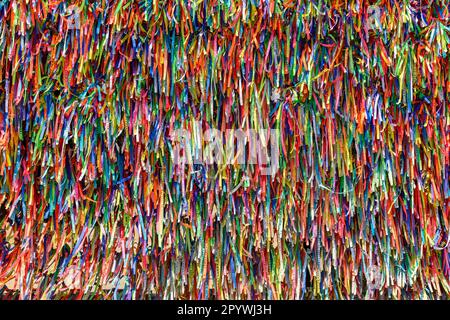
94,206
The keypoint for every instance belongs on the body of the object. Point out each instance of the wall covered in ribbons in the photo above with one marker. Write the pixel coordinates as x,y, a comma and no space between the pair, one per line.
223,149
